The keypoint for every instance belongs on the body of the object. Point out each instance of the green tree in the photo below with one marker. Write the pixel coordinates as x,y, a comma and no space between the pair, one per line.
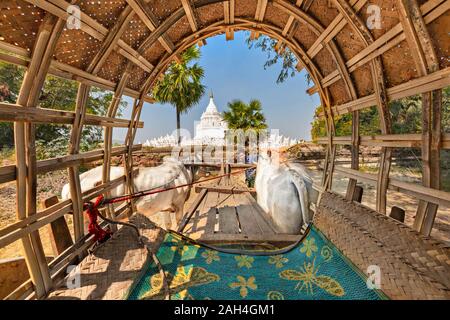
406,114
6,130
369,122
241,115
284,56
318,127
59,94
343,125
181,85
10,79
245,116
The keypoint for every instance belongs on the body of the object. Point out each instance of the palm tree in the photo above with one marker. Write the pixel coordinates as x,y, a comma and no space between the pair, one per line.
245,116
181,85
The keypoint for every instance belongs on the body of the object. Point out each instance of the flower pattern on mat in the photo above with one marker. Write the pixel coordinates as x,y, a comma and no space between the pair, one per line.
244,285
307,279
275,295
314,270
210,256
244,261
326,253
309,247
179,283
180,247
278,260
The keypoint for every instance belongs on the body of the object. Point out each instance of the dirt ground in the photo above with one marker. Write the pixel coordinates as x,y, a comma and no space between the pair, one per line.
48,185
51,184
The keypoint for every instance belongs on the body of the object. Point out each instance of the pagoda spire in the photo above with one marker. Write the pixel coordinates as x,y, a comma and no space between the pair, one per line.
211,94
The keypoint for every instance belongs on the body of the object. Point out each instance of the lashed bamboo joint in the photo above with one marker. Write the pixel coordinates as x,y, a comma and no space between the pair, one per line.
125,45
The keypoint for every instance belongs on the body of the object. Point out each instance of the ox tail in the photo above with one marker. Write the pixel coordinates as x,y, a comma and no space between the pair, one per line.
302,192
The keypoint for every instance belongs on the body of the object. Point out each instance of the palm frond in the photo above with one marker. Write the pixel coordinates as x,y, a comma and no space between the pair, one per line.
245,116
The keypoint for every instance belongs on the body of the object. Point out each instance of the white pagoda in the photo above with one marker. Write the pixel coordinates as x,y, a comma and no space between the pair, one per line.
211,128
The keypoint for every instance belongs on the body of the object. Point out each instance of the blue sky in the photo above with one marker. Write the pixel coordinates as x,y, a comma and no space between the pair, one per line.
232,71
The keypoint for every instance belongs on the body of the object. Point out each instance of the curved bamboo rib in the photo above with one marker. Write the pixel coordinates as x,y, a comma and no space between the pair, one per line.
431,10
427,62
24,140
377,74
318,30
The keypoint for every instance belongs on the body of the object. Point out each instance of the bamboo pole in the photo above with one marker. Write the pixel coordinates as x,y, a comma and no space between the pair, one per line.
433,138
355,154
327,179
131,134
24,134
96,30
426,61
74,146
376,71
8,173
108,132
434,81
128,156
431,127
15,112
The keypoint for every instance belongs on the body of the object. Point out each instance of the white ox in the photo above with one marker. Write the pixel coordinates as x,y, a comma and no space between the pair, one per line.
169,174
284,192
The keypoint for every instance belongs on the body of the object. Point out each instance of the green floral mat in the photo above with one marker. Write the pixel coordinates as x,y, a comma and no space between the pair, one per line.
314,269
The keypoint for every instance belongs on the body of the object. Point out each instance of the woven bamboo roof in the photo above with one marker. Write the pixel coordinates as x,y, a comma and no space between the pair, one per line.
146,35
125,45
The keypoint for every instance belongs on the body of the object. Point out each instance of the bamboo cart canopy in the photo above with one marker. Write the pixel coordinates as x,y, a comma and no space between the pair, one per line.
125,45
329,38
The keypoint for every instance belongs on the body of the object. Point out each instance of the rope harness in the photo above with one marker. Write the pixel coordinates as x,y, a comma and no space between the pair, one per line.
92,207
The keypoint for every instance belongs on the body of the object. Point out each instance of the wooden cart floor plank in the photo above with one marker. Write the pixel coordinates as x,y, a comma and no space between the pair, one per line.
258,211
210,210
225,205
233,217
228,222
211,221
247,220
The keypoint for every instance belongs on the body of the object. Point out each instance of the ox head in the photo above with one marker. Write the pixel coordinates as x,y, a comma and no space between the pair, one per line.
269,157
